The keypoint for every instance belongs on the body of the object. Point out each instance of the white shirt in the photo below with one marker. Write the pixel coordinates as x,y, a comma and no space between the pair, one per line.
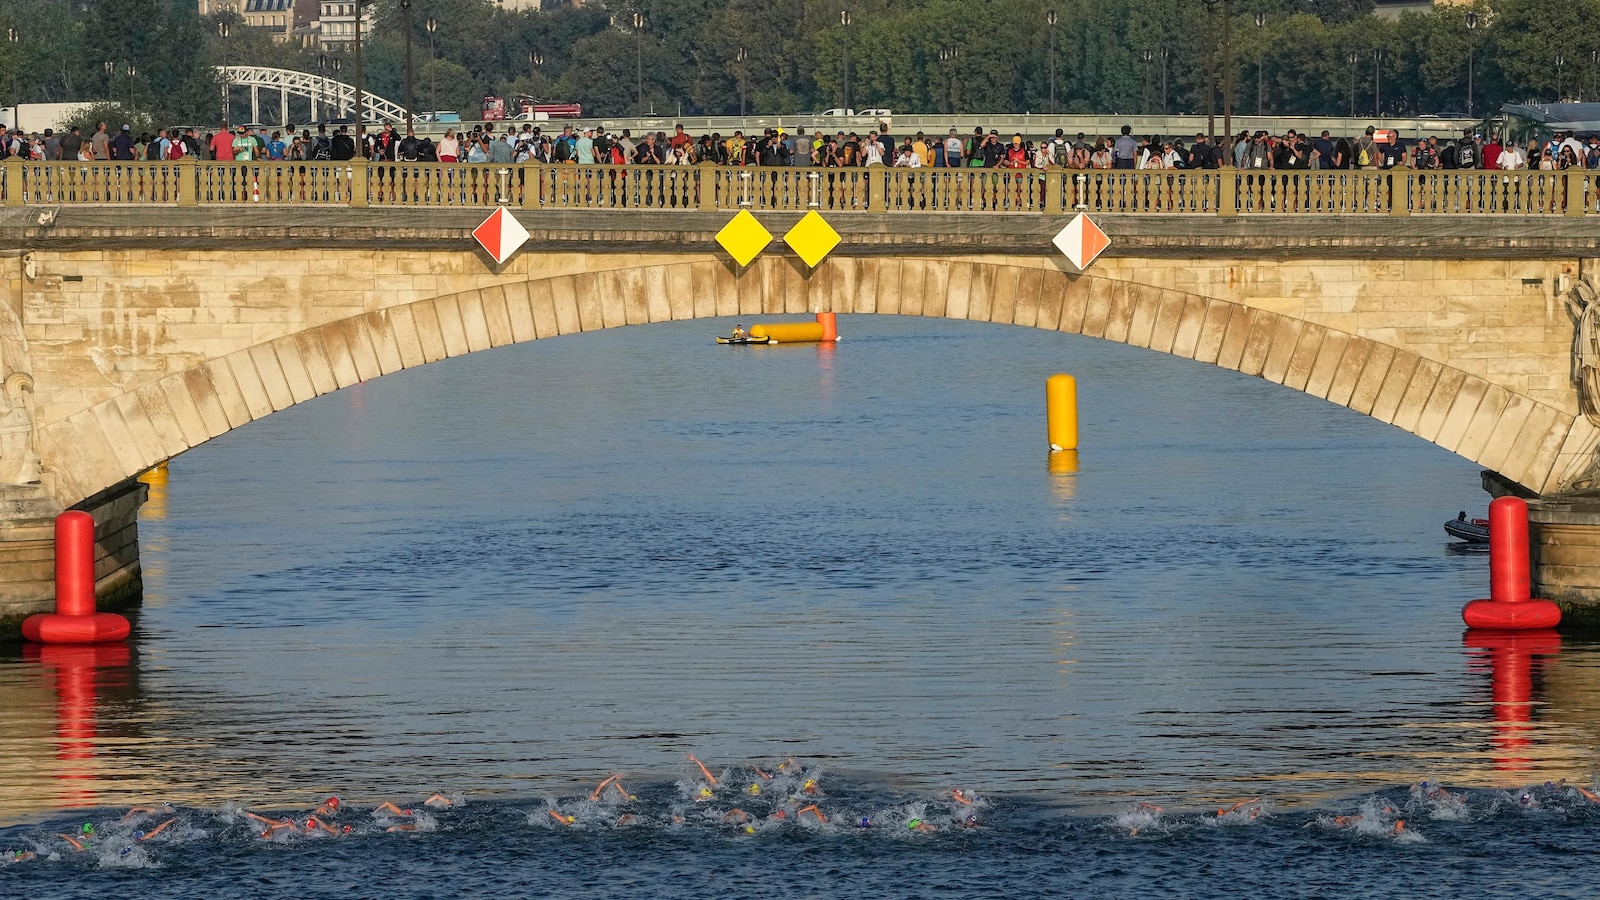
909,161
1510,158
872,153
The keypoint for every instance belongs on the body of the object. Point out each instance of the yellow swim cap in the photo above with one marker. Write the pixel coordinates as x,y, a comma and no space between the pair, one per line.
705,792
755,789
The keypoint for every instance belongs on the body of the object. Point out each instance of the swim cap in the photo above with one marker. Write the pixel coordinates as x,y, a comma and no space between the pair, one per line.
138,835
864,823
913,824
972,820
749,829
125,850
88,828
333,803
705,792
755,789
347,829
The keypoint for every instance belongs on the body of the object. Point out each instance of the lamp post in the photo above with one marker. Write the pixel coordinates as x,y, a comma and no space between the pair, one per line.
405,6
132,71
1261,64
223,30
1560,61
1050,19
13,36
1377,82
1149,57
1472,23
431,25
742,57
947,57
535,60
361,113
638,57
322,73
1354,58
338,104
844,23
1165,53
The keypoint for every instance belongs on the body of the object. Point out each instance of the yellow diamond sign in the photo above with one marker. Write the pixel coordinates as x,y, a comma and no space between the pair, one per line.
813,238
744,238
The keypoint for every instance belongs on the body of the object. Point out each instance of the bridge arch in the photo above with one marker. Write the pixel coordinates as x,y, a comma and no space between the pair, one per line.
329,93
1528,441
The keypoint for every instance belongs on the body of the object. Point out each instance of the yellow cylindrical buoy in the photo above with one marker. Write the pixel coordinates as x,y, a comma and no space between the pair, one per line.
1061,411
788,332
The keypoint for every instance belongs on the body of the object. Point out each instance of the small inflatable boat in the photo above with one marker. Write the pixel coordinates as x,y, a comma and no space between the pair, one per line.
747,339
1473,531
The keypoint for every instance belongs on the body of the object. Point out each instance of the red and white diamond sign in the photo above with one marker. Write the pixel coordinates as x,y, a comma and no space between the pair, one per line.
501,234
1082,241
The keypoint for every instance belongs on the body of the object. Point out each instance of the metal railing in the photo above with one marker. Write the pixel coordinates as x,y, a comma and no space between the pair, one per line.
528,186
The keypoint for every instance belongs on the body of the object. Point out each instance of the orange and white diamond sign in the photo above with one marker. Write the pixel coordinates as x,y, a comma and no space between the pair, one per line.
1082,241
501,234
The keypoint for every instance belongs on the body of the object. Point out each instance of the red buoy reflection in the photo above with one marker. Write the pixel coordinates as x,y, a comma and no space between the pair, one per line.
79,673
1511,657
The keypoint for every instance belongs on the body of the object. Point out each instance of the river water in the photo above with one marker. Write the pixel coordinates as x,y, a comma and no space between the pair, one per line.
504,576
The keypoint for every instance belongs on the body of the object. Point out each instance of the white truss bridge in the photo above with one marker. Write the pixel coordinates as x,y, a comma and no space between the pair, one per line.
329,97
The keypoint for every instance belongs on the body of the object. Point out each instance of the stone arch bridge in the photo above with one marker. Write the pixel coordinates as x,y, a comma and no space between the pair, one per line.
131,335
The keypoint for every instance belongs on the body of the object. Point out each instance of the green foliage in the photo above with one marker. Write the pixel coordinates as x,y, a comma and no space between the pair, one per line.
1109,56
115,115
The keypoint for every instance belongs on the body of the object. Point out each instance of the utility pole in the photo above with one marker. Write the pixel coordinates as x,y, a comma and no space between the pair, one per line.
405,5
844,23
1050,19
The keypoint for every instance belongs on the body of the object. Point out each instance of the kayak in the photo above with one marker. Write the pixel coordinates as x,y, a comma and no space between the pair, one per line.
739,341
1473,531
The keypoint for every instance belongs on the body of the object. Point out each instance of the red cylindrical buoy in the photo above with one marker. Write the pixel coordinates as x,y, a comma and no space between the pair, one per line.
1509,606
75,620
830,326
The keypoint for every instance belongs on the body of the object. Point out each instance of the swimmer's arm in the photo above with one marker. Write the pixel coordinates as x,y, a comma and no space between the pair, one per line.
760,774
1242,803
439,799
1587,793
388,807
158,829
813,810
601,787
620,789
736,815
136,811
960,798
76,844
710,778
262,819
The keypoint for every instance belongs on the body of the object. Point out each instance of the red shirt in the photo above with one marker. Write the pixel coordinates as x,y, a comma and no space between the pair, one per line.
222,146
1491,155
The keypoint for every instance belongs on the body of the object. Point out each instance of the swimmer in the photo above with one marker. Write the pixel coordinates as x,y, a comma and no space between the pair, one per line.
779,815
753,789
141,836
314,824
920,826
594,795
960,796
787,764
409,826
1399,827
147,810
864,823
562,818
710,778
17,856
1345,821
439,801
971,821
1590,795
810,787
627,819
328,809
736,815
82,837
391,809
1150,807
1241,804
813,810
274,825
764,776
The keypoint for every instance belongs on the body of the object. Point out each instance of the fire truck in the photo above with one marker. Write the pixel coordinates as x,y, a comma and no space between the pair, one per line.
496,109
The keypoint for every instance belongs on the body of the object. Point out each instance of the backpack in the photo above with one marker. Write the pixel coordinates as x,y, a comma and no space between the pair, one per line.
563,151
1467,155
322,148
1363,158
176,150
152,150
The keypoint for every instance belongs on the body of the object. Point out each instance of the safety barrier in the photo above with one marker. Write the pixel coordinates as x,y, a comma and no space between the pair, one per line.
1163,192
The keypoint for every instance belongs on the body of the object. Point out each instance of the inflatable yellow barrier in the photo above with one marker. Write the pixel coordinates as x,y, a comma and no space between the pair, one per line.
788,332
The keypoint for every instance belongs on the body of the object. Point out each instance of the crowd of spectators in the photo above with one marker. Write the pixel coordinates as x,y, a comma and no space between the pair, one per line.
1374,149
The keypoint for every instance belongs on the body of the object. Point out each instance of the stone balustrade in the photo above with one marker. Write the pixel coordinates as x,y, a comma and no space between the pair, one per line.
1162,192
